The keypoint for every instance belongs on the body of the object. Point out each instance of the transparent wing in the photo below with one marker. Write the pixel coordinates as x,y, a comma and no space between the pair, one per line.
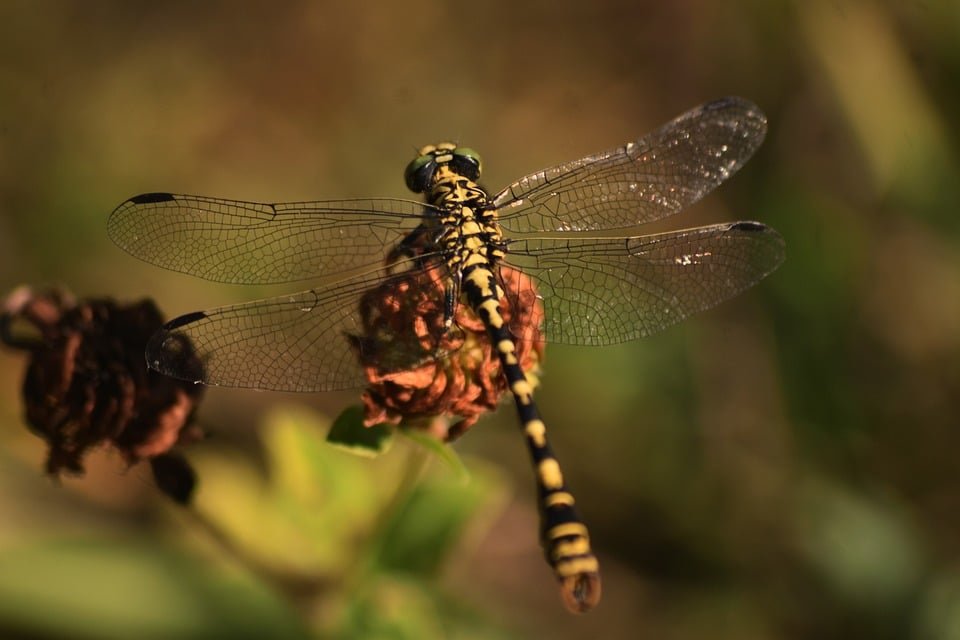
611,290
256,243
314,340
654,177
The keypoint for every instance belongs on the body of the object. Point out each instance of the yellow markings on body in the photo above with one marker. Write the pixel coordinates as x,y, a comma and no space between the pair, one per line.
506,349
480,278
471,240
475,257
469,236
537,432
549,472
522,388
577,547
574,566
493,312
567,529
559,499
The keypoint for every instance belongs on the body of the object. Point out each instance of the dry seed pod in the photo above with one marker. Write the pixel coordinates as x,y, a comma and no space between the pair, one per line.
87,383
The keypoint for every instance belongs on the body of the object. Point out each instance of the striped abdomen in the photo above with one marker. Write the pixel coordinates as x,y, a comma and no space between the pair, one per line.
564,537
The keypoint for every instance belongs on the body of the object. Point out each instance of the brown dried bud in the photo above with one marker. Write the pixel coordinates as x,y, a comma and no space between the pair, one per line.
87,383
418,368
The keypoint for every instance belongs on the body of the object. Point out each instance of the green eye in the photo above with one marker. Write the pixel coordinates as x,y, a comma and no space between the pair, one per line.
414,173
466,161
469,154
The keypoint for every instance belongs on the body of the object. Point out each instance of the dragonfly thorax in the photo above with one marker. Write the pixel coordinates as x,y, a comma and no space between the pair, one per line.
469,233
463,219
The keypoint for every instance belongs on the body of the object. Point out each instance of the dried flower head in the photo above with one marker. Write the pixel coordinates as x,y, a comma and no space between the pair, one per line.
418,368
87,383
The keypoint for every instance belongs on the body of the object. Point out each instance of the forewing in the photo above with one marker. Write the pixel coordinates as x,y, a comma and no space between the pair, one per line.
305,341
611,290
257,243
654,177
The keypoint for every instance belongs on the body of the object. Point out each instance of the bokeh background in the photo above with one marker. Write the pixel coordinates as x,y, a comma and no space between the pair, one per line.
784,466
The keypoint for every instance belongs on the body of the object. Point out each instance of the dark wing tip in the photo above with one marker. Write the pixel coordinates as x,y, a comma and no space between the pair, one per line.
172,353
119,222
744,109
754,227
151,198
728,102
734,102
757,228
186,318
775,245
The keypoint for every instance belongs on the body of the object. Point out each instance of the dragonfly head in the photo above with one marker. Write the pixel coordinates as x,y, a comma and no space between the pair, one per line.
420,173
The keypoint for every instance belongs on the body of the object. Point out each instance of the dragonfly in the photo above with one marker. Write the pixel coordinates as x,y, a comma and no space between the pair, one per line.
564,239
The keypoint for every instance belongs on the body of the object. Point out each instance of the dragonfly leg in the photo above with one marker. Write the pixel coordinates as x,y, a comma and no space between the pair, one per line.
410,246
451,296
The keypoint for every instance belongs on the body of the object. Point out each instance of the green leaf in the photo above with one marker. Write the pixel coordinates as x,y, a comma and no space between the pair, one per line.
431,522
444,451
349,433
395,608
304,514
124,589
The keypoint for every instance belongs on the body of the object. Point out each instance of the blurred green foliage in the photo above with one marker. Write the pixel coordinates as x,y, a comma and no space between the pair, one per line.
781,467
318,536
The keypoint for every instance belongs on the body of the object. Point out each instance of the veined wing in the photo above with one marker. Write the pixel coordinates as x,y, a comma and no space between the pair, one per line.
257,243
654,177
599,291
301,342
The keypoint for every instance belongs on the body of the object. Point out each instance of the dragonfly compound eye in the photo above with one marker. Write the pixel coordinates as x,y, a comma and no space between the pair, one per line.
420,172
466,162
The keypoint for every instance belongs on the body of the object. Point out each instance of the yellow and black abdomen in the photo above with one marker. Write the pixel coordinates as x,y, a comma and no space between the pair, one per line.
563,536
473,248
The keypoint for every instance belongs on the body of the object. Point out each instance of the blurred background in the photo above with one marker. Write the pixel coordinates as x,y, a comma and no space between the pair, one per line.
784,466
